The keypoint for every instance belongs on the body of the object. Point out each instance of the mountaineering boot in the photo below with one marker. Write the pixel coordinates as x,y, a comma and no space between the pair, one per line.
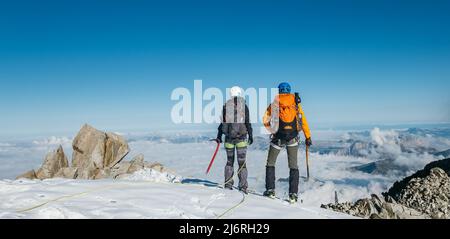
293,198
244,190
270,193
228,186
270,182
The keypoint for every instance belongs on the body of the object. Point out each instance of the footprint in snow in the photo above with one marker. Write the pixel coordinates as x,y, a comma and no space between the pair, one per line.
195,200
196,203
212,199
217,196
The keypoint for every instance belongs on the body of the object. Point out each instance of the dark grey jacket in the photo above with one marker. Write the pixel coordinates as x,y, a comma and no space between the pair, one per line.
235,120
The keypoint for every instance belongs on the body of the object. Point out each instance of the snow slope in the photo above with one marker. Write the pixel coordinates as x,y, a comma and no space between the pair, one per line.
146,194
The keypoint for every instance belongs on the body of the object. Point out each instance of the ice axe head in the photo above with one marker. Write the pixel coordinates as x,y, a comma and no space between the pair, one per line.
298,100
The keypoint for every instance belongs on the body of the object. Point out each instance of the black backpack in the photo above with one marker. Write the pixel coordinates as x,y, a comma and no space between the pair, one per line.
234,118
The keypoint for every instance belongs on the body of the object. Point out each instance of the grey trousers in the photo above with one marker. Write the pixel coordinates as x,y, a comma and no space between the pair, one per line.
292,151
274,151
229,169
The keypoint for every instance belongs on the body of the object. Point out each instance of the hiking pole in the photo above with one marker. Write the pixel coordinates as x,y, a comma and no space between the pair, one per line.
307,162
298,101
214,156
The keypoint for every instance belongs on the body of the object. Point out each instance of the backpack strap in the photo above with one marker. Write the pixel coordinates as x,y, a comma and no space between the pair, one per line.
298,100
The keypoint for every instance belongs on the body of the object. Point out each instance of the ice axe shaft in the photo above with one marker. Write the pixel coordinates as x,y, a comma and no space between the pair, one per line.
298,100
214,156
307,162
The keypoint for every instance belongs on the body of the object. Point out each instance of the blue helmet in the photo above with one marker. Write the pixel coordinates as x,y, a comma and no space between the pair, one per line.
284,88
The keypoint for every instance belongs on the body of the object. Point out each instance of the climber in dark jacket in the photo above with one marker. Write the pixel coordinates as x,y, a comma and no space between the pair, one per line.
238,133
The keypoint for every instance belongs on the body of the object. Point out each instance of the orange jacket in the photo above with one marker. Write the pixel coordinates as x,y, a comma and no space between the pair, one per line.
287,99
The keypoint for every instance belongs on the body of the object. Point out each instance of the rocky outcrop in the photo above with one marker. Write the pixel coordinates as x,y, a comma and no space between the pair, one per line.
425,194
120,169
69,172
96,155
101,173
29,175
88,148
396,189
376,208
94,151
158,167
54,161
116,149
430,195
136,164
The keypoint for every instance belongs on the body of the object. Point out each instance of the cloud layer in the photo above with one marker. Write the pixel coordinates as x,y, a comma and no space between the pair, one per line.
331,160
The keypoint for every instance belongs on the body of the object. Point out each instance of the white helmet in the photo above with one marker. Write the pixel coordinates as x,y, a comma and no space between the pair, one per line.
236,91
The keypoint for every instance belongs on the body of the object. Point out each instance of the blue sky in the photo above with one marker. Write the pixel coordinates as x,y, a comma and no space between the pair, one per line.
114,64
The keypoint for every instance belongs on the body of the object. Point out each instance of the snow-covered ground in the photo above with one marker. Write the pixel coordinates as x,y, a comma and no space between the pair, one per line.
146,194
333,156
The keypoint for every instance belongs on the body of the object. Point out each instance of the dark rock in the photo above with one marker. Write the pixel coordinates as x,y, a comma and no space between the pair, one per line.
425,194
395,190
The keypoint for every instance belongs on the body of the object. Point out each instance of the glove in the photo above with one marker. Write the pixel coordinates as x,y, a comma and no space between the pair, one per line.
308,142
250,140
219,139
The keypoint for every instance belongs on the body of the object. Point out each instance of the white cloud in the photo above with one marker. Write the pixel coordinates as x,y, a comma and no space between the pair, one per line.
384,137
53,140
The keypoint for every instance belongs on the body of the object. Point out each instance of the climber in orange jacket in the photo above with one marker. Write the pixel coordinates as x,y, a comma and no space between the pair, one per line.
285,119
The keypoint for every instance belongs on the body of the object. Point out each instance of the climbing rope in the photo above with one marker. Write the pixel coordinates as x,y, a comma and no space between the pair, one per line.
80,194
233,207
67,197
243,194
238,172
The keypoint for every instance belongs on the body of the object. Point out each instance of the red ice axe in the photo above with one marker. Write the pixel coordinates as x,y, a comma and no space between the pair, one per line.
214,156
